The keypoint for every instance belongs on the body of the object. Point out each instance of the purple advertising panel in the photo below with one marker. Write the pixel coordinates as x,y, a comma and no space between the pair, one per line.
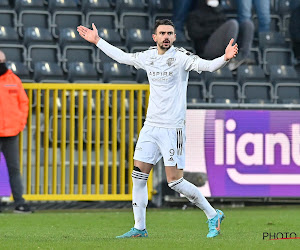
4,181
245,153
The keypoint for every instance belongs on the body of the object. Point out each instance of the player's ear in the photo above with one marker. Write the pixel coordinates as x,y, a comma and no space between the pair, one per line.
154,37
174,37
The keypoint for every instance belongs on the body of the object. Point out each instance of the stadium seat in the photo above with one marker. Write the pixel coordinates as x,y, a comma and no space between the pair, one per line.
29,5
8,18
114,72
196,93
221,87
96,6
102,58
5,4
14,52
48,72
21,70
160,6
271,39
66,19
93,122
42,53
157,16
111,36
181,41
63,5
82,72
37,35
108,20
70,36
33,18
275,24
255,87
139,39
134,20
59,129
71,53
8,35
195,76
277,56
284,7
130,6
141,76
255,56
286,27
286,83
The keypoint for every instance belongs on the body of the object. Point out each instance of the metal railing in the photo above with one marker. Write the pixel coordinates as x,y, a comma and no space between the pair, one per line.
79,140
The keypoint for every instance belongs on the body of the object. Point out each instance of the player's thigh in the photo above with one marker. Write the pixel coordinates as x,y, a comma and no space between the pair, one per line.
146,153
172,147
143,166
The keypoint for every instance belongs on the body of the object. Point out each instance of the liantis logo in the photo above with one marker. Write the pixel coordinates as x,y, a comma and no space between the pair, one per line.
229,149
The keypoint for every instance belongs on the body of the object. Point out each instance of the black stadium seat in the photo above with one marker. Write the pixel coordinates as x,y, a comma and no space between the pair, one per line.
66,19
72,53
255,86
33,18
48,72
139,39
70,36
82,72
118,73
8,35
8,18
96,6
286,84
37,35
43,53
221,86
21,70
14,52
29,5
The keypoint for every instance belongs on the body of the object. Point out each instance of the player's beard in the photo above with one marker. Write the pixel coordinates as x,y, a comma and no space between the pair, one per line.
165,47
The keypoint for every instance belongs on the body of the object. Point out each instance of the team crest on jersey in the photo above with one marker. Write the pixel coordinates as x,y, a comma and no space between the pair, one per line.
170,61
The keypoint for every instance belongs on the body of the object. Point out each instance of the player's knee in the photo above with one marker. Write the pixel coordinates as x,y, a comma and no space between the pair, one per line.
173,184
136,169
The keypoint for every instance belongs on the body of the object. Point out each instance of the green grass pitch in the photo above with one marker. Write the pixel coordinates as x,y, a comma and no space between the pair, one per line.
168,229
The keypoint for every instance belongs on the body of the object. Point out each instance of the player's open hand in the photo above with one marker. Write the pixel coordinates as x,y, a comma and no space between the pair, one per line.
231,50
88,34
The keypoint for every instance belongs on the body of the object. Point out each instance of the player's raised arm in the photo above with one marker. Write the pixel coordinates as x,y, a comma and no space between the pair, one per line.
194,62
91,35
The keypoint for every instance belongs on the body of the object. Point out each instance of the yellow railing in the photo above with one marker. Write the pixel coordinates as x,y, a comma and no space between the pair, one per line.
79,140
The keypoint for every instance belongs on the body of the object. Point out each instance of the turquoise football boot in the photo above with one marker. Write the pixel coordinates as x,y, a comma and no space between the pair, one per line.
214,224
134,233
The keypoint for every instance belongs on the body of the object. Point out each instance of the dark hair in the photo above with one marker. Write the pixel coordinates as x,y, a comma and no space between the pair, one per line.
163,22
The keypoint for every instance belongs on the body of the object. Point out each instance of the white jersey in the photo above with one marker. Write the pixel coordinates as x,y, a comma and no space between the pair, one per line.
168,78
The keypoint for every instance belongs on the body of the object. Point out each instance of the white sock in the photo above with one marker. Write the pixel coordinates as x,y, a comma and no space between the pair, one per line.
193,194
139,198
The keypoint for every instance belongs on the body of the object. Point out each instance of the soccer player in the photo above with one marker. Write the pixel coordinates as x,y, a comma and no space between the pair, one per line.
163,133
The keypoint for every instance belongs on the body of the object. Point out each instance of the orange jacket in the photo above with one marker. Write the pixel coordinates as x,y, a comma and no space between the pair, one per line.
13,105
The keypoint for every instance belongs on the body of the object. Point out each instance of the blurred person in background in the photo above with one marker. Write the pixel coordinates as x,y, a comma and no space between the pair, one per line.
262,8
295,30
210,31
13,118
181,9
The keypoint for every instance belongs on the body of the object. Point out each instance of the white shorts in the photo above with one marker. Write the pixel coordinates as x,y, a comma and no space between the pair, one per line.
155,142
